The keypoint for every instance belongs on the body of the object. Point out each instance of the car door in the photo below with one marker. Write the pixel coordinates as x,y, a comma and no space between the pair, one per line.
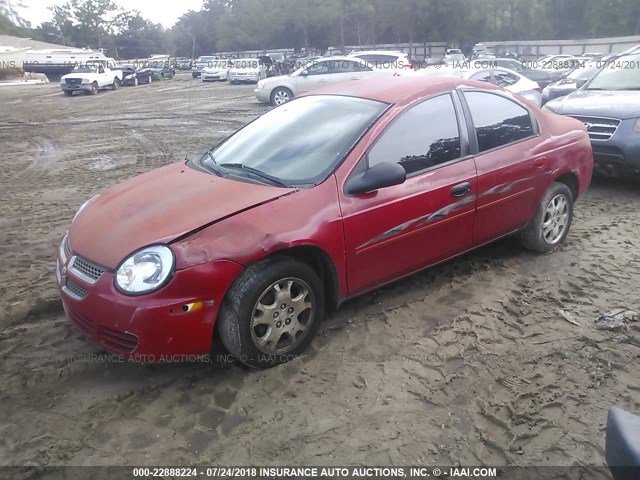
504,138
400,229
317,75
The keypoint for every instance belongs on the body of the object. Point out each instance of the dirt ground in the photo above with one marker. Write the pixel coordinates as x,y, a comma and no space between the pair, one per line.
471,362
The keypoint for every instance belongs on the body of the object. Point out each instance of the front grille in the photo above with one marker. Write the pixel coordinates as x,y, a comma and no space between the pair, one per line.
599,128
66,247
82,323
117,340
73,81
86,269
75,289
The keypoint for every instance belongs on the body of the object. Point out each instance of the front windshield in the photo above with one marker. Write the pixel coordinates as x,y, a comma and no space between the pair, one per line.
583,73
218,64
246,63
622,73
85,69
300,142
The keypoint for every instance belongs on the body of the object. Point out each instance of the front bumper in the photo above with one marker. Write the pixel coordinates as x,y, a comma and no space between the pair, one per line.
212,77
263,95
620,154
245,78
147,327
76,87
129,81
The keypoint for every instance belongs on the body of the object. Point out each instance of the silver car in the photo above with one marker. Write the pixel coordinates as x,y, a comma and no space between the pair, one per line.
313,75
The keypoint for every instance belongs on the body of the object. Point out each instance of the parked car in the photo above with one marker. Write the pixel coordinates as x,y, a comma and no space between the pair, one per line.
217,71
290,216
160,69
247,70
609,106
201,63
90,77
132,76
568,84
454,55
385,60
331,70
622,445
507,79
541,76
184,65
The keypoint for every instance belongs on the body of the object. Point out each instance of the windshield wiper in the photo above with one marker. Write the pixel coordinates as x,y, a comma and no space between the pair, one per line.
254,171
211,166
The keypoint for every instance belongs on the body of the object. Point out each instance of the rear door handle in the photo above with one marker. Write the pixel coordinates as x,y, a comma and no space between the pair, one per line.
461,189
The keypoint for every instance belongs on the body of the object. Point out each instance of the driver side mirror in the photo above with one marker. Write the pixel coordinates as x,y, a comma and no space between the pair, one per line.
385,174
581,82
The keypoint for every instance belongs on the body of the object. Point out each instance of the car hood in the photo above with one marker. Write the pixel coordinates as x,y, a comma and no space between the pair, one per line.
159,207
607,103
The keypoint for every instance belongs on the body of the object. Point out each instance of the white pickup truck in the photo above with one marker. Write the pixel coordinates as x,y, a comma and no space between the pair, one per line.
91,77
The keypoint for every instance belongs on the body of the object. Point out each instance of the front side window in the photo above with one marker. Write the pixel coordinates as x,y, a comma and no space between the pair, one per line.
498,121
422,137
298,143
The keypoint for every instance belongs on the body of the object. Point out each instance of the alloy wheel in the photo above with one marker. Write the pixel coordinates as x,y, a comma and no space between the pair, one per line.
282,315
556,219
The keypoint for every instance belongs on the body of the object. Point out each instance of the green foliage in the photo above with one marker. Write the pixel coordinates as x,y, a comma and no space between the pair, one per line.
234,25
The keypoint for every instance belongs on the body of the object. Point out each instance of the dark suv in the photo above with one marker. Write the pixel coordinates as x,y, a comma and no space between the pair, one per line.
609,105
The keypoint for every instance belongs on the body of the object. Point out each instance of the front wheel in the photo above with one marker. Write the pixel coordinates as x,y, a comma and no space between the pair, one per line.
116,84
271,312
551,223
280,95
94,89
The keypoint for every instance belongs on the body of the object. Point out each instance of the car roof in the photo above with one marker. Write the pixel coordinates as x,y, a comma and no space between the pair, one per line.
395,90
378,52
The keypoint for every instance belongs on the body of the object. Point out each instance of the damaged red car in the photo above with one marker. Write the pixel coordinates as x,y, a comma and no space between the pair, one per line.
319,200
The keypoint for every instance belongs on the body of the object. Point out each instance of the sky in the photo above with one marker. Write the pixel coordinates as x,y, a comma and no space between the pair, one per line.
166,12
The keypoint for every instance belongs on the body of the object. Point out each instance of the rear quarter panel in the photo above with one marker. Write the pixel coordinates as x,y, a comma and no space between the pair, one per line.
565,142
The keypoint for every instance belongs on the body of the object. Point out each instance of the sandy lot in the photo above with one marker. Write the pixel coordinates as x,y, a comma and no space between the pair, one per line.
471,362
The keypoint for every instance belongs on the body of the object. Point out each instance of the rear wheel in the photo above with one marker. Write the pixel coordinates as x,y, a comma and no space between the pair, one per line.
271,312
551,223
280,95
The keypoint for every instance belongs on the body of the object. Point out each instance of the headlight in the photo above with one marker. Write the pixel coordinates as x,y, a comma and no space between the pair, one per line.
260,85
636,126
86,80
145,271
129,76
82,207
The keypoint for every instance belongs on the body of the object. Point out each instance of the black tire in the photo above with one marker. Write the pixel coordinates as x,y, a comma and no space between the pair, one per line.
116,84
94,89
238,306
278,92
68,93
533,237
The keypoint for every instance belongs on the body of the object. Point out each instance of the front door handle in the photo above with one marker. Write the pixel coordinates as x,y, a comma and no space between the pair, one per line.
461,189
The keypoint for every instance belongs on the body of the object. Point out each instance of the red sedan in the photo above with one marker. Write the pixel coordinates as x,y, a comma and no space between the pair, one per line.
318,200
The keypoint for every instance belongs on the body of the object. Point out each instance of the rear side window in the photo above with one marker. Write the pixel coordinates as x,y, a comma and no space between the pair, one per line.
498,121
484,76
504,79
422,137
